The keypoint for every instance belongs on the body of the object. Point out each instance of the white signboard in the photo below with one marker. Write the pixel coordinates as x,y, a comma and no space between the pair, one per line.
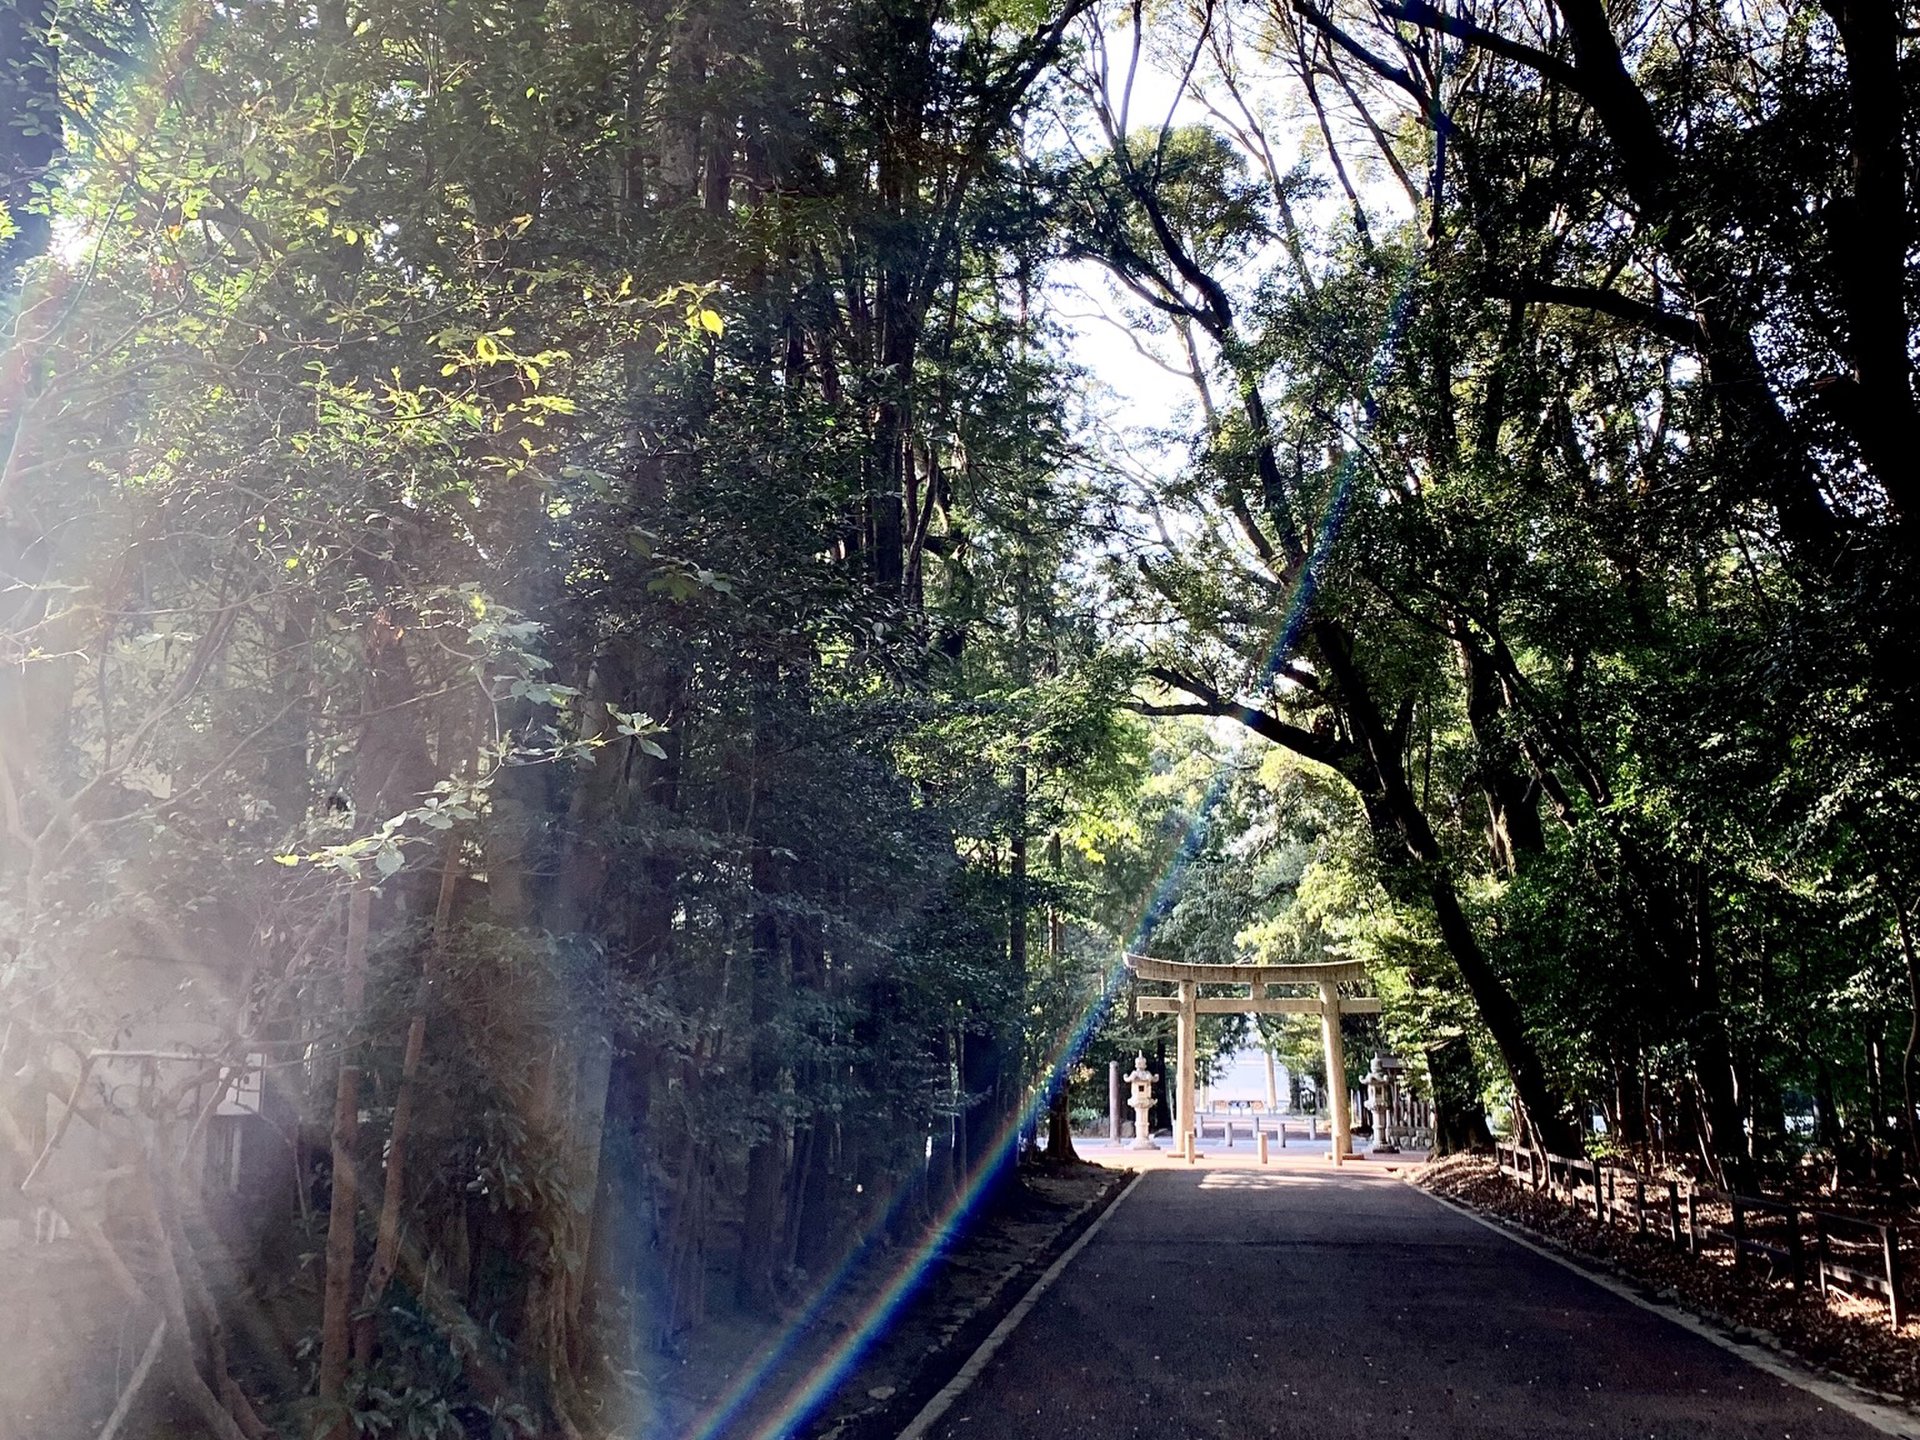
243,1094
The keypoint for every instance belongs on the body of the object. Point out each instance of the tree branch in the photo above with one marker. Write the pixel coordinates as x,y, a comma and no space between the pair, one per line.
1210,701
1680,329
1385,69
1430,17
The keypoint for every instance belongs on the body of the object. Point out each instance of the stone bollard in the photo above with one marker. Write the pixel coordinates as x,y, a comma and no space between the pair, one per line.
1263,1146
1229,1134
1193,1149
1283,1134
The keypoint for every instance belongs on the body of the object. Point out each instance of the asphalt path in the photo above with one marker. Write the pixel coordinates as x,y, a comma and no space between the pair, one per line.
1299,1301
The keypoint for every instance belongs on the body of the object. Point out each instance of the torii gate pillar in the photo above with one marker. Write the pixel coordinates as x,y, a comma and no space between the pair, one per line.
1337,1116
1187,1032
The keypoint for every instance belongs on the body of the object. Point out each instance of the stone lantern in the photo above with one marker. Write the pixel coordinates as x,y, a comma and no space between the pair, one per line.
1380,1098
1383,1078
1142,1102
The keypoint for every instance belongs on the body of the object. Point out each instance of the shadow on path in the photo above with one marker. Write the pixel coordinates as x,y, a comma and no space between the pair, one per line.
1288,1302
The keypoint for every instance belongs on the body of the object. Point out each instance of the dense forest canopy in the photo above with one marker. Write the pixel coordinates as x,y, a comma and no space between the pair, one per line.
576,599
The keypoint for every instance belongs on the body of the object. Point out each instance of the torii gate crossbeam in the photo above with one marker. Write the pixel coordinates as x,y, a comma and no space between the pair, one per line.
1328,1004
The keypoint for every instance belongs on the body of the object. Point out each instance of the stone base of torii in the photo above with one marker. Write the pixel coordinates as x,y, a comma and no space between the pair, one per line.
1323,998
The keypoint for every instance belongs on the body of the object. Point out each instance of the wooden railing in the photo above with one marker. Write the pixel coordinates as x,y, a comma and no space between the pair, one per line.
1806,1244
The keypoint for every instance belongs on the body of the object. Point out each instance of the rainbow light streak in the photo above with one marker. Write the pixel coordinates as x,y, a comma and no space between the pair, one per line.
813,1390
173,54
818,1385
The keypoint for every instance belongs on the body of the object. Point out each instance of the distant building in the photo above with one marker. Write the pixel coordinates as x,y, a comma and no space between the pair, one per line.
1242,1083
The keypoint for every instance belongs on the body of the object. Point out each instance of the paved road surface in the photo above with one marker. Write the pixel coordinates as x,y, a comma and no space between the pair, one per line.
1297,1302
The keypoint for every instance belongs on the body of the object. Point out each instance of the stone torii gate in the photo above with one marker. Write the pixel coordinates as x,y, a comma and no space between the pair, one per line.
1259,980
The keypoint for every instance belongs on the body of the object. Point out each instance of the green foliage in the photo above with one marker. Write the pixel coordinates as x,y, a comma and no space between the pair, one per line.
550,565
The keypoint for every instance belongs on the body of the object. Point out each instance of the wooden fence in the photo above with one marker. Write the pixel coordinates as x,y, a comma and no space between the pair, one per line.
1806,1245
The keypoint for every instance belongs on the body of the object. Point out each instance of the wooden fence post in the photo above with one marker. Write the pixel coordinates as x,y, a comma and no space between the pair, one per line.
1890,1248
1673,1211
1599,1205
1796,1259
1639,1206
1693,1227
1739,1232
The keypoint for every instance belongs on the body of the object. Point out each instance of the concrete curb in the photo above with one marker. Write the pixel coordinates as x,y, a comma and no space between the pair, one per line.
958,1344
976,1363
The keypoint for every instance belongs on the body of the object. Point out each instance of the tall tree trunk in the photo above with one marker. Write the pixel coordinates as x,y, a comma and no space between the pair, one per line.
1160,1117
1012,1060
386,1246
1060,1149
1389,794
991,1149
1504,1022
1060,1102
344,1203
1459,1116
766,1156
1909,1119
767,982
1724,1138
1876,1091
812,1136
1512,795
1870,231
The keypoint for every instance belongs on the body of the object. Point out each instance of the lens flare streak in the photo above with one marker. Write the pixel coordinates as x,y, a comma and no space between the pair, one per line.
803,1401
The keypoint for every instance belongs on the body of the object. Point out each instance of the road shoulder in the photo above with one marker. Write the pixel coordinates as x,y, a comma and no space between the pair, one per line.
1889,1413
